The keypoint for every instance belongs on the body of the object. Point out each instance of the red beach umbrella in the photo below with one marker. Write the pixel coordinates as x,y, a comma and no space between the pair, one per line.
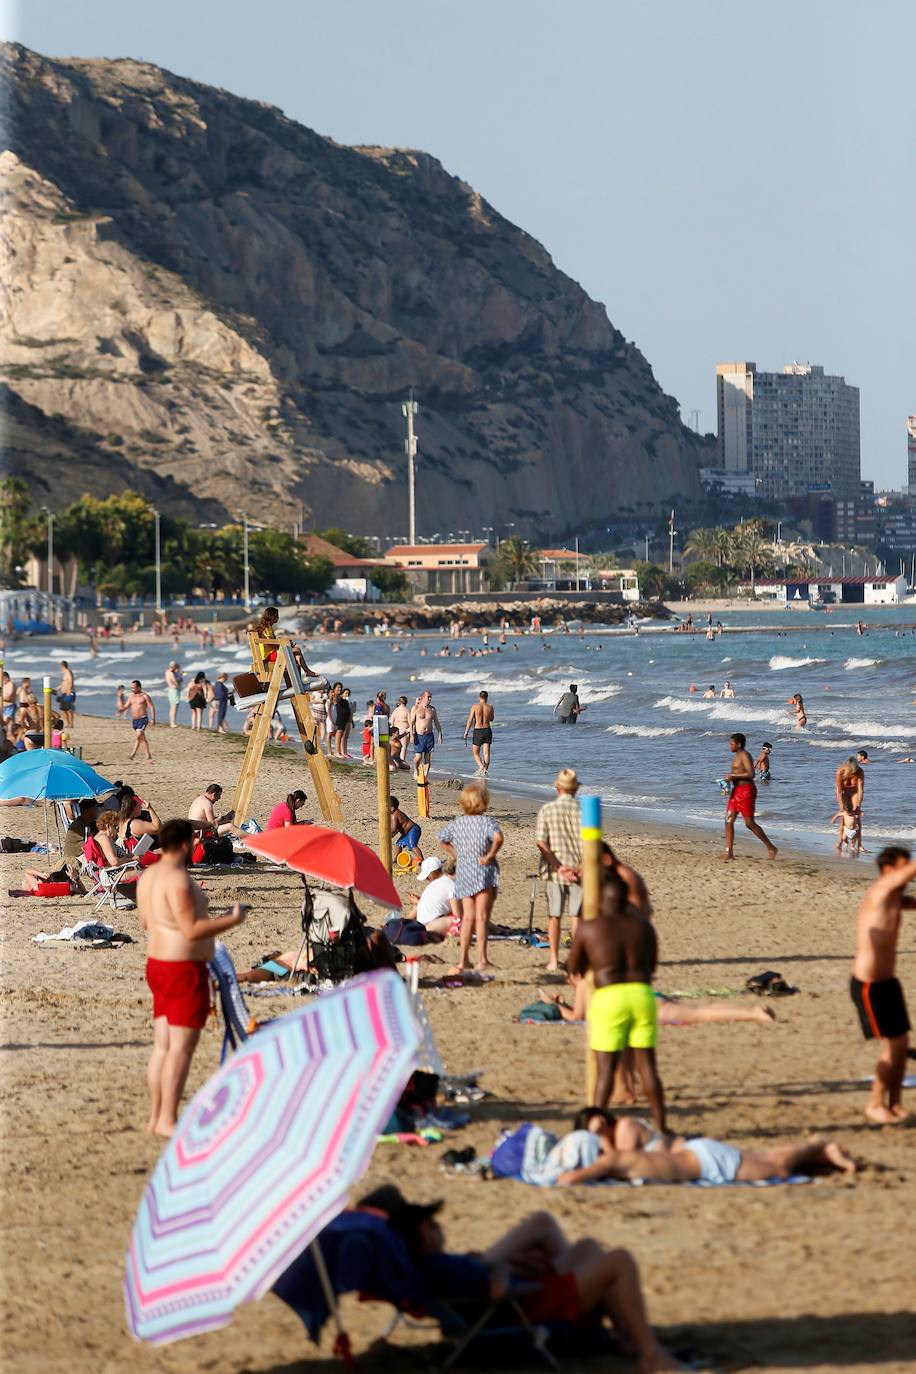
330,855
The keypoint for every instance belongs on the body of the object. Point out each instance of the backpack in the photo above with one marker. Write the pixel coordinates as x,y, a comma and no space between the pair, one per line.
218,850
401,931
507,1159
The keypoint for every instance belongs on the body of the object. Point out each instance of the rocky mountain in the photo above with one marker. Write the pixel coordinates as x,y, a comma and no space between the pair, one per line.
205,300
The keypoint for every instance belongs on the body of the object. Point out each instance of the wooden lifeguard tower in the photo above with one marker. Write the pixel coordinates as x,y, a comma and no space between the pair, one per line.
263,688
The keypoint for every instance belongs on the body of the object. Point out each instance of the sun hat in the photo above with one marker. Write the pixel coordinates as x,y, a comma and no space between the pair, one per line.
430,866
566,780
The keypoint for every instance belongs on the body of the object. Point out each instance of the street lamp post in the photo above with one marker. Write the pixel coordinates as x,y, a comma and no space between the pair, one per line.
156,518
245,564
50,515
409,409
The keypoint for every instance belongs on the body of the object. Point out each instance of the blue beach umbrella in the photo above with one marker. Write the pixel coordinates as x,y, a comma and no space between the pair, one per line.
50,775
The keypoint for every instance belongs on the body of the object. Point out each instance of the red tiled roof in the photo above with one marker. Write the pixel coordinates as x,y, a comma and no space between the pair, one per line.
317,547
562,555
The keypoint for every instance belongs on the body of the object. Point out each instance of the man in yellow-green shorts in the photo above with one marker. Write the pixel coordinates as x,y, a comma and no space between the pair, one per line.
621,949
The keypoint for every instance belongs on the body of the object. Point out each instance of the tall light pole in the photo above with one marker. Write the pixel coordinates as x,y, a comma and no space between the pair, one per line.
50,515
671,533
245,563
647,548
409,409
156,518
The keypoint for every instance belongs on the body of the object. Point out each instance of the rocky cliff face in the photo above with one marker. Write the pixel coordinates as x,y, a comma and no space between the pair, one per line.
211,303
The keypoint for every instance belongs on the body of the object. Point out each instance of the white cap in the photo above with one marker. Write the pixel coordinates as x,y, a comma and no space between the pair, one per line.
430,866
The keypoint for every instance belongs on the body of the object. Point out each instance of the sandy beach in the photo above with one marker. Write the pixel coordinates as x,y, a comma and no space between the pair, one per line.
780,1277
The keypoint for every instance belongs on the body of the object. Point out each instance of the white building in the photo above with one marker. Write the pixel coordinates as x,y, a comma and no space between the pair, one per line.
870,590
911,453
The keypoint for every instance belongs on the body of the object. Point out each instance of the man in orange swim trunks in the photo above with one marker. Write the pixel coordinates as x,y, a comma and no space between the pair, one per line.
742,798
181,937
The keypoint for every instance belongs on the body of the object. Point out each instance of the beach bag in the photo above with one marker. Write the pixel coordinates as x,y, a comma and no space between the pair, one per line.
218,850
539,1012
401,931
507,1159
9,844
49,889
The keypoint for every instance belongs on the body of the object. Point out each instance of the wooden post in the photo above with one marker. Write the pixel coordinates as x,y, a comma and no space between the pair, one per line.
590,823
47,717
383,787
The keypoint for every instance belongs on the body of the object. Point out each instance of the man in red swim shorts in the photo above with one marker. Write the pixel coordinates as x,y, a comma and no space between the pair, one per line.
181,937
742,798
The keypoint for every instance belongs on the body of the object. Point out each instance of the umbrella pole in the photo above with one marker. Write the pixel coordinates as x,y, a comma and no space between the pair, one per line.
342,1343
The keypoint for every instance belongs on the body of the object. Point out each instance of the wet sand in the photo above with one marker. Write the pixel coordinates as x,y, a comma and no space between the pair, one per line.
783,1277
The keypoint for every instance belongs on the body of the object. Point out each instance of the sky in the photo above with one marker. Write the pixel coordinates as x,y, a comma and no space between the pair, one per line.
731,180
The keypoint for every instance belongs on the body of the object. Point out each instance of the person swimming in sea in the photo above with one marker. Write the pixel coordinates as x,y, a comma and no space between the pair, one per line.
762,762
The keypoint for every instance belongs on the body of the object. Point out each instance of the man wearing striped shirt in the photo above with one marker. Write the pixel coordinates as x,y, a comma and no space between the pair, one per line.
559,842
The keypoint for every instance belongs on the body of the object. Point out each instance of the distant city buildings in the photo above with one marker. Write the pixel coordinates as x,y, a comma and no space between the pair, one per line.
793,432
911,453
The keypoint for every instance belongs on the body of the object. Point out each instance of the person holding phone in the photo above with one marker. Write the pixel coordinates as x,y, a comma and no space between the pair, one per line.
181,937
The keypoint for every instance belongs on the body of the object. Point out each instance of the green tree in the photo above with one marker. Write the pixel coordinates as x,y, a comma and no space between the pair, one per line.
353,544
654,581
515,562
21,533
391,582
702,542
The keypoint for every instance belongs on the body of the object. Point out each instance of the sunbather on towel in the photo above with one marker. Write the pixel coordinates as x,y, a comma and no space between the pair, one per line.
631,1150
578,1282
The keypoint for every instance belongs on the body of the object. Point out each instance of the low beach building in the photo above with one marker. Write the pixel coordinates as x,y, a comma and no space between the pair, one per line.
870,590
455,568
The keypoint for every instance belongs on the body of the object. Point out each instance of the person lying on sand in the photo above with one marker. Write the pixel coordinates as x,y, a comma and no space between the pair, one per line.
670,1013
629,1149
577,1282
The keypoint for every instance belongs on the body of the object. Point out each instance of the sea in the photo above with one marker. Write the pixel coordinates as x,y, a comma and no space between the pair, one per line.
652,749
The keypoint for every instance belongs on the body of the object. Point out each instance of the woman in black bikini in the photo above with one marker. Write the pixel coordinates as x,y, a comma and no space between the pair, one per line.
343,719
197,700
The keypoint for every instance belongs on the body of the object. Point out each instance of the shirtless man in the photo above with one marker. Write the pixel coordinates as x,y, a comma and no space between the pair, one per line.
142,715
621,949
67,693
629,1149
173,680
875,990
423,722
180,940
742,798
480,717
635,883
202,812
9,699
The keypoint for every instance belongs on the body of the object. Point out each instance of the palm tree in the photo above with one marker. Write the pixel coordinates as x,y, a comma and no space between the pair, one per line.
722,545
702,542
751,547
516,561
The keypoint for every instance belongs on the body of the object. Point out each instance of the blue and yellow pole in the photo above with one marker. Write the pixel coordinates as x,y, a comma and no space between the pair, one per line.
591,836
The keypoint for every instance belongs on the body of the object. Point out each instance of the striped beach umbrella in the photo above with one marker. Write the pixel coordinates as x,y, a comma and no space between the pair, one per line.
264,1156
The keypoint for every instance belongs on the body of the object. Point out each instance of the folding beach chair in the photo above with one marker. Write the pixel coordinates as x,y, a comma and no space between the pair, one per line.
238,1022
105,880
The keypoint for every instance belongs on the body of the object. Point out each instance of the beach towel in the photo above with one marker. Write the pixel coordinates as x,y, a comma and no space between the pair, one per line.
83,930
539,1012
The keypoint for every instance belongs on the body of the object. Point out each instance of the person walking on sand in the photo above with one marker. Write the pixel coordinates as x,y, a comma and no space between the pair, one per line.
142,717
559,842
480,718
742,798
173,680
180,939
196,694
621,948
473,840
425,729
874,987
66,694
221,698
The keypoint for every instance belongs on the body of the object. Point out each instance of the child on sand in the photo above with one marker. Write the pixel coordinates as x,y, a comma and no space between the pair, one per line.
405,831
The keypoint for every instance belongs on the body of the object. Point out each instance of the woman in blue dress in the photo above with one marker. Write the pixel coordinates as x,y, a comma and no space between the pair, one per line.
473,839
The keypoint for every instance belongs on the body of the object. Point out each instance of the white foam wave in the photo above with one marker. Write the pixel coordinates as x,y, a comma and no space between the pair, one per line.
868,727
645,731
860,663
680,704
335,668
424,675
728,710
549,694
781,661
849,746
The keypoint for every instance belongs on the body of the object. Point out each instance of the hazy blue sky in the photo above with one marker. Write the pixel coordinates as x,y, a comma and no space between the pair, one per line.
732,180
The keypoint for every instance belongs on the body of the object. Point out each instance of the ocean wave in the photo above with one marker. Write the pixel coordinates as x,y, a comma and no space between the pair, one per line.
781,661
730,710
861,663
871,728
683,704
335,668
645,731
549,694
849,746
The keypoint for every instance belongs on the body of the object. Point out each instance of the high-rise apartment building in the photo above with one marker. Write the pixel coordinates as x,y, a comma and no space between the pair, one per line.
796,431
911,453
